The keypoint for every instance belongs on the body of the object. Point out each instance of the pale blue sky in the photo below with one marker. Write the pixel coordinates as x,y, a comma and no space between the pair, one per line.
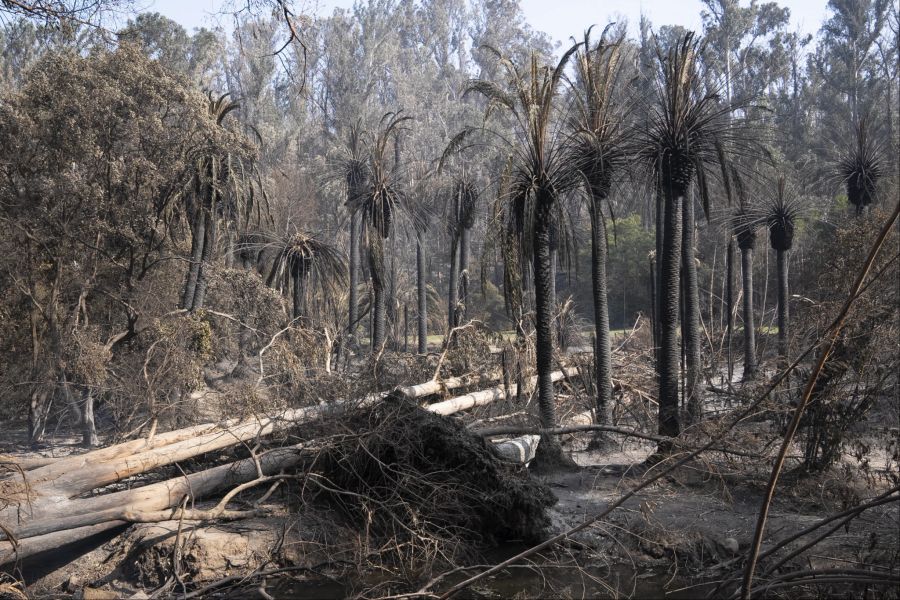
560,18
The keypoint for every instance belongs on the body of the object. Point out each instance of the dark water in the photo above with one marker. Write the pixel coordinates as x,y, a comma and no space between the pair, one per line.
619,581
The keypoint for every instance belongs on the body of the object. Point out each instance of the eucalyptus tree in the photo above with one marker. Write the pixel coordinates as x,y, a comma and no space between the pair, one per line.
536,183
781,214
687,133
598,151
379,202
100,156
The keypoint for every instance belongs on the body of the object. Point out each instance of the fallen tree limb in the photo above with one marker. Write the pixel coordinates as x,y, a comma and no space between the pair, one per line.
482,397
129,505
436,386
568,429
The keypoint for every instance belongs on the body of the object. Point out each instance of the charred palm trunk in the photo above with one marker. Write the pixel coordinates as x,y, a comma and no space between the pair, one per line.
543,312
207,256
669,291
729,307
353,306
229,248
602,352
746,241
660,231
783,308
198,236
690,326
464,241
452,284
422,316
376,267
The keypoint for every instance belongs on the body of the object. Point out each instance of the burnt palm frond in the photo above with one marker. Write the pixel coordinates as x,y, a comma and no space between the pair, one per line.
538,173
599,123
304,257
781,213
860,167
690,128
461,203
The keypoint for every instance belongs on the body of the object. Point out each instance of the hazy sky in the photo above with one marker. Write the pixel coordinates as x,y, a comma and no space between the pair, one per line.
560,18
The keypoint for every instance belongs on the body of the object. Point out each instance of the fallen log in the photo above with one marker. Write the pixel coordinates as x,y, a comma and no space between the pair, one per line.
436,386
135,504
480,398
48,507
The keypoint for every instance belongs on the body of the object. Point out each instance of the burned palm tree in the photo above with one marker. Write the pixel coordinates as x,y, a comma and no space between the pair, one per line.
302,258
745,225
461,205
226,187
598,152
378,203
781,215
537,181
688,131
860,167
352,170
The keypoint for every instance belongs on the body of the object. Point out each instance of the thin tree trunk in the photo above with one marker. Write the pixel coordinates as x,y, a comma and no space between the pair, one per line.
654,326
712,283
452,289
660,230
376,266
783,307
353,307
406,328
207,256
89,429
297,292
422,316
690,326
197,238
729,307
464,240
543,320
38,410
229,248
669,291
602,351
749,327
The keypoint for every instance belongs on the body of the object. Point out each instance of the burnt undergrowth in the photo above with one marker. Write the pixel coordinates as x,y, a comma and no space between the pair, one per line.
422,490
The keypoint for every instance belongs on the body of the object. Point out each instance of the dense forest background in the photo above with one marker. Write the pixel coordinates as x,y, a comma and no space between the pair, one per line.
108,139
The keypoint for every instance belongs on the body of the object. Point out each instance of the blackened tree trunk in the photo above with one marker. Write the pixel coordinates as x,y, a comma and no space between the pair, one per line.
198,235
376,267
690,326
749,321
669,291
207,256
602,351
452,283
543,313
660,230
353,306
229,247
729,307
783,308
422,316
464,241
